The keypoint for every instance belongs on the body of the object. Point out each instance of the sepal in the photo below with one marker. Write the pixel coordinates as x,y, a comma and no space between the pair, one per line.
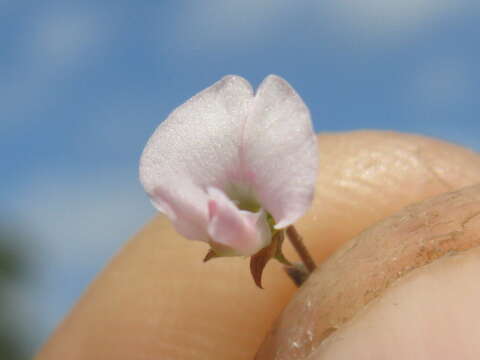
260,259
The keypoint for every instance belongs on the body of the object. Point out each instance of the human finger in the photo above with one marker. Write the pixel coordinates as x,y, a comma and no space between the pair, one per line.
405,288
157,299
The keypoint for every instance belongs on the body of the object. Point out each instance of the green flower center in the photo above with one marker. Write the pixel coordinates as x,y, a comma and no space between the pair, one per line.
243,196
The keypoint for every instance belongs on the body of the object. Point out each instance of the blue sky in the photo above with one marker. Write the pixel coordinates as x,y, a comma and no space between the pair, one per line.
84,83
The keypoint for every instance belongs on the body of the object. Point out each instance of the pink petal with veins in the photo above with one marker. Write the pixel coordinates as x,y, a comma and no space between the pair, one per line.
257,146
196,147
280,151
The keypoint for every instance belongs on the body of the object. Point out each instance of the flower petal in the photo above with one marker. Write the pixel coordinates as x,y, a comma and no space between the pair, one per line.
279,151
185,206
234,231
195,147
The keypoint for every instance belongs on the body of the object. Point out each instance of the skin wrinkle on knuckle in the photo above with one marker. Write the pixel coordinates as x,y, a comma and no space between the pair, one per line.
378,170
428,165
369,264
390,160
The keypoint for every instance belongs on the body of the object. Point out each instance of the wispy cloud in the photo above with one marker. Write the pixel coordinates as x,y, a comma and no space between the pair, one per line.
214,23
246,24
55,43
63,37
379,19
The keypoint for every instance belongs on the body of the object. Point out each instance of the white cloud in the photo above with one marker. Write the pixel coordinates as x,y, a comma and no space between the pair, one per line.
56,42
387,18
248,23
62,38
66,35
233,23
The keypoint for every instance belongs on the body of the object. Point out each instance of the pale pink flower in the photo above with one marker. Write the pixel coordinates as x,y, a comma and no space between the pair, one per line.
230,166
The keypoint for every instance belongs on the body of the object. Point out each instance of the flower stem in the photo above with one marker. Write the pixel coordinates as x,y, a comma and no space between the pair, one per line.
299,246
297,273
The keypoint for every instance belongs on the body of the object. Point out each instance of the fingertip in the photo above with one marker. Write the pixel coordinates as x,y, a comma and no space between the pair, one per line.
158,299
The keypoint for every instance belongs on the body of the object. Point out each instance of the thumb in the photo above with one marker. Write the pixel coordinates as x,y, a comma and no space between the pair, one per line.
405,289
